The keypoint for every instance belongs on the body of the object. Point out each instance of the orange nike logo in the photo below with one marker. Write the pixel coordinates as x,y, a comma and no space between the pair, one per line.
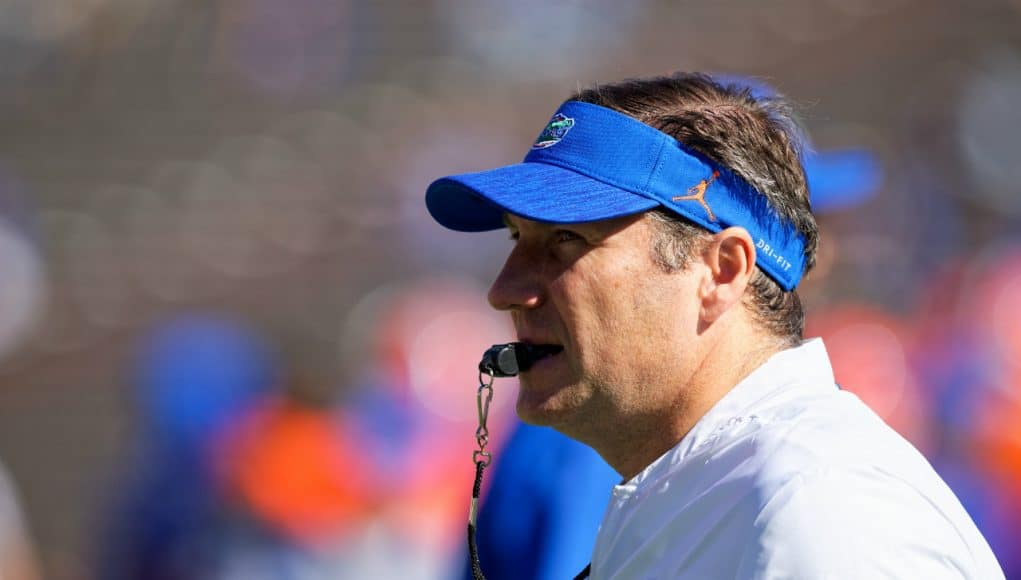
697,193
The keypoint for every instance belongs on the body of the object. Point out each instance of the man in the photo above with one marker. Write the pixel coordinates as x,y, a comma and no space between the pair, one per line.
660,229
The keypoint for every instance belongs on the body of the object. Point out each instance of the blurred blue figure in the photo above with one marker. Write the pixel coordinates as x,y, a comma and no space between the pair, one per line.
841,179
191,377
837,179
988,504
539,519
193,373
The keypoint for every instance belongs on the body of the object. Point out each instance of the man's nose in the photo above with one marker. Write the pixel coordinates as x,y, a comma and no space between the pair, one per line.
517,286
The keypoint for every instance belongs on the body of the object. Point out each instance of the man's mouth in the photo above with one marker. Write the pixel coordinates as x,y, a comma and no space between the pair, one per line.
529,354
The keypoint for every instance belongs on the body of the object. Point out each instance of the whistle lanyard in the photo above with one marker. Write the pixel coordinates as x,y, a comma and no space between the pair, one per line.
482,459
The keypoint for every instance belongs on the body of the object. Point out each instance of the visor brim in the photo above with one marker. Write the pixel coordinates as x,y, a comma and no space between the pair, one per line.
476,202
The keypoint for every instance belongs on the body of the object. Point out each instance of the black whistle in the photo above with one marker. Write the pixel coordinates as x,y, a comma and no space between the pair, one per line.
501,360
507,360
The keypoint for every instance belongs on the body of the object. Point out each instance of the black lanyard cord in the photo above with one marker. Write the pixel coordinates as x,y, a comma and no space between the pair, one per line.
473,549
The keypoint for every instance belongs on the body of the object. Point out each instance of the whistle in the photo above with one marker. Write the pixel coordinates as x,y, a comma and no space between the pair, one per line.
507,360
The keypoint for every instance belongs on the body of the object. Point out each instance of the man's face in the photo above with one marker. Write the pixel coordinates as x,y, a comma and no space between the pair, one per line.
623,322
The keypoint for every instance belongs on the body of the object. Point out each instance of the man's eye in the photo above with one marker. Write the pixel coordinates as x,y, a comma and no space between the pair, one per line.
514,235
561,236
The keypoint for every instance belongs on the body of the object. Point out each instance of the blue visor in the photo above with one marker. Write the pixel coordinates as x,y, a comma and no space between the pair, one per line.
591,163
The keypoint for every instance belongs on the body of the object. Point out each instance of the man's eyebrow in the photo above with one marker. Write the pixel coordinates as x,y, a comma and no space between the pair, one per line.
506,221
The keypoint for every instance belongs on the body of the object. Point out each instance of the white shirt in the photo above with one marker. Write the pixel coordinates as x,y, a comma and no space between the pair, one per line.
789,477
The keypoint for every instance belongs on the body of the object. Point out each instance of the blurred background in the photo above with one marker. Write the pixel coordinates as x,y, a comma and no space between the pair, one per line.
234,345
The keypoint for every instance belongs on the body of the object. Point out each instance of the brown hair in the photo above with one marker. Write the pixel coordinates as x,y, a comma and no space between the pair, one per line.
756,138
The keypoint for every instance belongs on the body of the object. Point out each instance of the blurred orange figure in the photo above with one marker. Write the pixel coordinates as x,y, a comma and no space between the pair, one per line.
294,468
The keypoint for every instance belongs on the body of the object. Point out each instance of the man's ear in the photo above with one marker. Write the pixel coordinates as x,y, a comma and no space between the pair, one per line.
730,262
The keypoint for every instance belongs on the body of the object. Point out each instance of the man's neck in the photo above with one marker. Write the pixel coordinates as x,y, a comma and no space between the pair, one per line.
643,439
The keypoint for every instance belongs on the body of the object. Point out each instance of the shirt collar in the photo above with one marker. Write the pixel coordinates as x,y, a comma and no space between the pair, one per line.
804,366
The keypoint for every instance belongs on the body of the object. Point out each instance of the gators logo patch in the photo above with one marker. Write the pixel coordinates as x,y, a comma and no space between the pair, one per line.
557,128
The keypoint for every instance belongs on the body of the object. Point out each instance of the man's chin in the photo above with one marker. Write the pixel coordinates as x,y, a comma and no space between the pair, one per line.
544,409
536,417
